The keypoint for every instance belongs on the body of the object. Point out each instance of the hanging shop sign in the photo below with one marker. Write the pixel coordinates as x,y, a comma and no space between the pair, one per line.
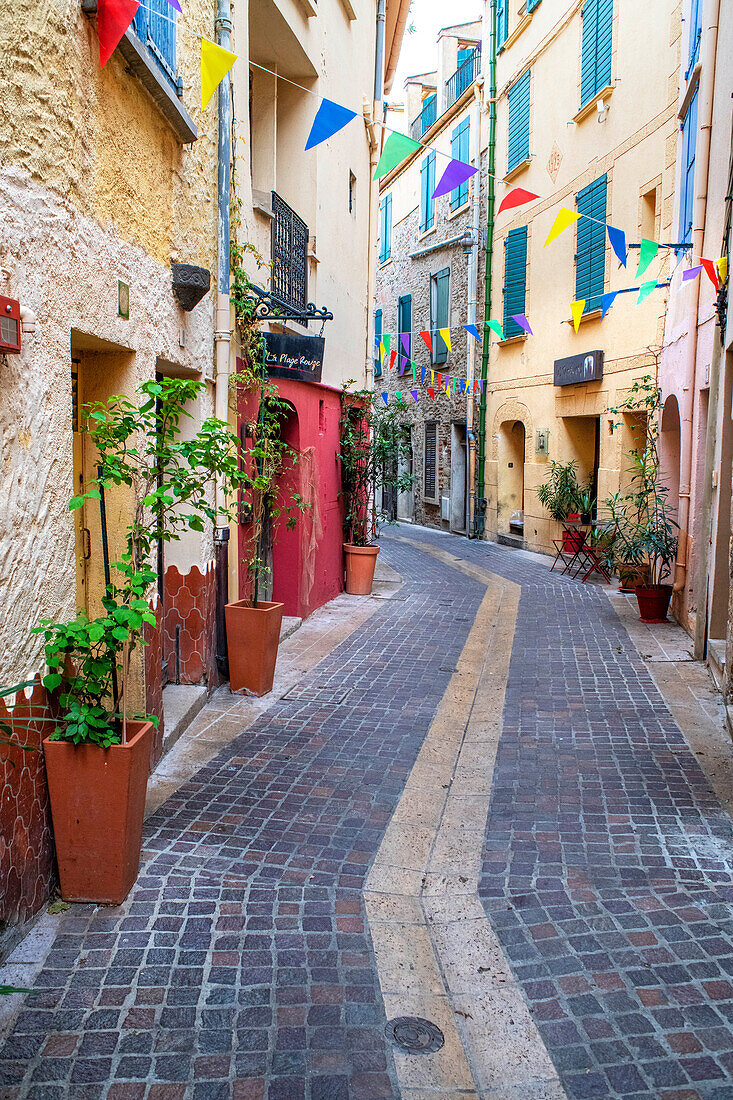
579,368
299,357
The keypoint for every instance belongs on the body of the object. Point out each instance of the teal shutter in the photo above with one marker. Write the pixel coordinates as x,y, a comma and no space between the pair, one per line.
439,313
518,136
590,260
385,228
377,342
597,45
532,4
427,186
460,151
502,22
687,178
404,325
515,279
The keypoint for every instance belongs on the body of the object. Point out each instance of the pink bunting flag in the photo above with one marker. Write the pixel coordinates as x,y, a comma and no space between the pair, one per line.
521,320
428,340
455,174
691,273
517,197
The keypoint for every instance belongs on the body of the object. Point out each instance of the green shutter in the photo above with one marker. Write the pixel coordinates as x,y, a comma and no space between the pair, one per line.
515,279
518,134
604,46
597,46
460,151
502,22
590,260
439,313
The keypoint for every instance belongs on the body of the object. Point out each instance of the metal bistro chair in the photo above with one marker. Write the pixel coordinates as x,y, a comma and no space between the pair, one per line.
568,555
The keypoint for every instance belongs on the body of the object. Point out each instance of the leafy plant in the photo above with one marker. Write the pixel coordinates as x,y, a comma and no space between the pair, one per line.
561,494
372,442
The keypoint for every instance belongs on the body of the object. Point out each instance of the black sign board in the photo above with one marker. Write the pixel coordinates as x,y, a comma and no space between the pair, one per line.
298,357
579,368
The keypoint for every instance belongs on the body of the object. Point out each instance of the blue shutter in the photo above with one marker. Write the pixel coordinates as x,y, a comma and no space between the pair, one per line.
687,174
515,279
502,22
427,186
460,151
404,325
155,26
597,46
604,45
464,70
385,228
532,4
518,136
377,342
590,260
439,313
693,45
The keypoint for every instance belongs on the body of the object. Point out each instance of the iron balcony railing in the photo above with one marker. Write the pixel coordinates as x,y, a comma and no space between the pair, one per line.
289,254
425,119
463,77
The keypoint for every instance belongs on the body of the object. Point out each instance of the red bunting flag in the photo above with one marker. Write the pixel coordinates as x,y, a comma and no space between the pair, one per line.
113,19
440,380
392,357
712,273
517,197
431,393
428,341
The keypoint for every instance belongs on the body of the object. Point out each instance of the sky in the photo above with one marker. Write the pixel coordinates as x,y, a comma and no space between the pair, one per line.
419,52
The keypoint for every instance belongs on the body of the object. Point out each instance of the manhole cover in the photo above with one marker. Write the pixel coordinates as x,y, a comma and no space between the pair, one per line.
414,1034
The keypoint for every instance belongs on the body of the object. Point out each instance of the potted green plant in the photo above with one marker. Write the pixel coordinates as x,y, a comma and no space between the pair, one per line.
98,755
561,497
372,442
586,503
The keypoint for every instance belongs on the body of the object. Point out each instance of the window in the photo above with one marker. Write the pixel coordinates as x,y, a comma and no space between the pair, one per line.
385,229
289,250
377,342
439,313
427,186
430,469
518,136
515,279
352,193
404,327
590,260
595,68
502,22
464,70
687,178
693,49
460,151
531,5
155,26
649,214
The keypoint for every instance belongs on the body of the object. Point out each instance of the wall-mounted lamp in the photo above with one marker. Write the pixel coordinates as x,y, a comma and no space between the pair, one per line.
601,108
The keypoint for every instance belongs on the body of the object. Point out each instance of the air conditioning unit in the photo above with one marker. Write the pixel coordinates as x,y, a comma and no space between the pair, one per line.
445,509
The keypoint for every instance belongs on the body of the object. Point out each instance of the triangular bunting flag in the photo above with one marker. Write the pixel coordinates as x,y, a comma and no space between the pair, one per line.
712,273
481,386
422,375
617,237
392,357
475,385
414,394
473,331
691,273
517,197
113,19
405,341
495,326
607,302
396,148
428,340
330,118
445,333
645,290
440,380
523,323
385,398
398,395
455,174
403,364
175,4
431,393
387,341
576,308
647,252
215,64
414,373
432,378
722,266
564,219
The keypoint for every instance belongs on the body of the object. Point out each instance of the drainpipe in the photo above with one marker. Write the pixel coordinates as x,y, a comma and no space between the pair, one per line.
379,57
222,329
701,580
708,52
472,310
480,503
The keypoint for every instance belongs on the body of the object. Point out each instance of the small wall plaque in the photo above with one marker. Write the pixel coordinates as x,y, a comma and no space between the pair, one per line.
123,300
542,445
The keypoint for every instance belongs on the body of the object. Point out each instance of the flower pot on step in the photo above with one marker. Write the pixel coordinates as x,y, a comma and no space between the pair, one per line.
653,602
360,564
97,807
253,637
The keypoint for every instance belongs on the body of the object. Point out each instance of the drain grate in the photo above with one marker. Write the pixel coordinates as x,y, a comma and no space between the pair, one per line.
414,1034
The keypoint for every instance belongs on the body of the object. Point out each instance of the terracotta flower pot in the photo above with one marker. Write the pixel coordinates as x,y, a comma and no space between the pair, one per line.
253,637
97,807
631,576
653,602
360,564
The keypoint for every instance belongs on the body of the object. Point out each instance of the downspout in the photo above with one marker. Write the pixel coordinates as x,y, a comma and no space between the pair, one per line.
480,502
472,310
708,52
222,328
379,56
701,579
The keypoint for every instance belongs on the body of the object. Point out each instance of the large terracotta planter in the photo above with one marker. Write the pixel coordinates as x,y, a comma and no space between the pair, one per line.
253,635
653,602
97,807
360,565
632,576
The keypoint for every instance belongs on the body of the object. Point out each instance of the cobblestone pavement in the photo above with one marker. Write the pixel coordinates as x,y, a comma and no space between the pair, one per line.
241,965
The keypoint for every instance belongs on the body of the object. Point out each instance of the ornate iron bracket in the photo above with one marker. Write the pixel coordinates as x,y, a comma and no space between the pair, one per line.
267,308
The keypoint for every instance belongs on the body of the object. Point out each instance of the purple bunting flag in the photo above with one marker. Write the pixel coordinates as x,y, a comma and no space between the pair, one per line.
691,273
414,394
175,4
455,174
330,118
405,341
473,331
523,323
617,237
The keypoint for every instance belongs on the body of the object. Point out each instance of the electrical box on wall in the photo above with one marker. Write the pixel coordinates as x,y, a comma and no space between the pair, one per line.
9,326
542,446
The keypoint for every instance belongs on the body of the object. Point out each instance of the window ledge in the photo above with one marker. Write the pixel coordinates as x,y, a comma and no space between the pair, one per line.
521,26
594,315
589,108
459,210
385,263
428,233
517,169
350,13
309,7
518,339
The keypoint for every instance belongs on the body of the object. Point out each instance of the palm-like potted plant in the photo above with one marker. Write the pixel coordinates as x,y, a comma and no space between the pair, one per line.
98,756
561,497
372,442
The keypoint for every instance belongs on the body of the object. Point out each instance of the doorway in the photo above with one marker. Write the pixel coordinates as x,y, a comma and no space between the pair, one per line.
510,498
406,497
584,437
458,478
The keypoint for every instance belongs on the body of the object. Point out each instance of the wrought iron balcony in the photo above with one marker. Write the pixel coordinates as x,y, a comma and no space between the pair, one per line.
463,77
289,253
425,119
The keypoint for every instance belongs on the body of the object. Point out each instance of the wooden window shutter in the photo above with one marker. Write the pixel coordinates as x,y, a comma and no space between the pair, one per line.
515,279
590,259
430,478
518,131
460,151
597,47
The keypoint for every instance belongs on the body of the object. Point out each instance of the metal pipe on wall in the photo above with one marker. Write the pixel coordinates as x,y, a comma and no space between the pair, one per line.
472,311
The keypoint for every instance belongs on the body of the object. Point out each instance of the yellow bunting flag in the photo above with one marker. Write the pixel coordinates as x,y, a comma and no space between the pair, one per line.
445,333
722,266
215,64
564,219
576,308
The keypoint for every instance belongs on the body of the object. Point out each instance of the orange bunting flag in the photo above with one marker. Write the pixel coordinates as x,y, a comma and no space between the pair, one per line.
576,308
428,340
563,221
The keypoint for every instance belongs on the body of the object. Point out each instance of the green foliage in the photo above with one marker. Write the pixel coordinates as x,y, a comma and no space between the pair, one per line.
373,439
562,494
250,337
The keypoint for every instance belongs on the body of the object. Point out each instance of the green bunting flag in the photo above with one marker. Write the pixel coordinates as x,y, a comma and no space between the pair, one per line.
396,148
647,252
645,290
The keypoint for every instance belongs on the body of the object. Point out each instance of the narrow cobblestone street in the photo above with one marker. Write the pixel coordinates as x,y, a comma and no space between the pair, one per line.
333,867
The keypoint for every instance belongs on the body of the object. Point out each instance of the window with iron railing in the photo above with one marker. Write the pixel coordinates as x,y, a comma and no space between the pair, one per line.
464,76
289,253
426,118
155,26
